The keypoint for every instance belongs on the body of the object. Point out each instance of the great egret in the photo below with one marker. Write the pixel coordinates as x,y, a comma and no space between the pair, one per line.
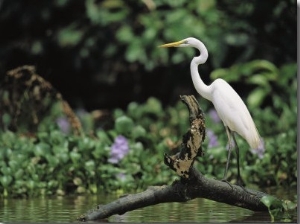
228,104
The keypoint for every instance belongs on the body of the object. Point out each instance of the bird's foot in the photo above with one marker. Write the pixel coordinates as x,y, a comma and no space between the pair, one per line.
241,184
226,181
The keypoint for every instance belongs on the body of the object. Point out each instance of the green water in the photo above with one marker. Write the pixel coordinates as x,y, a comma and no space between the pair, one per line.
67,209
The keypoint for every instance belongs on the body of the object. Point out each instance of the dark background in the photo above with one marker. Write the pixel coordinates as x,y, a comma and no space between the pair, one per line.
103,54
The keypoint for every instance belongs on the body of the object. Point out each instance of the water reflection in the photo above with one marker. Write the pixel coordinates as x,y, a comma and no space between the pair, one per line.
198,210
67,209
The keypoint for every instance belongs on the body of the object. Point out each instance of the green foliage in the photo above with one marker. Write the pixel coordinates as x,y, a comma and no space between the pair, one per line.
278,209
55,163
50,162
113,44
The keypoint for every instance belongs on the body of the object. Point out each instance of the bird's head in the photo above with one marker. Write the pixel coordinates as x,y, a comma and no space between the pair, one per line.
188,42
191,42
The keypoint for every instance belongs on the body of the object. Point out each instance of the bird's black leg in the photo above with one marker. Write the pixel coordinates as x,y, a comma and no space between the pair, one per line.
229,134
227,165
239,179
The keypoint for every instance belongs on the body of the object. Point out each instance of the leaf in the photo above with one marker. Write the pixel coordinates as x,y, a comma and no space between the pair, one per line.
275,207
138,131
124,125
124,34
256,97
259,79
69,36
5,180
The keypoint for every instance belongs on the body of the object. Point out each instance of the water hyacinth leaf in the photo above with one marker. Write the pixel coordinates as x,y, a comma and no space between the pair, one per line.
90,165
8,153
124,125
275,207
137,148
63,157
43,136
41,149
6,180
93,188
56,137
86,144
134,110
80,190
289,205
75,157
138,131
35,177
217,153
19,174
52,184
8,138
6,170
99,153
52,160
77,181
153,106
14,165
103,137
57,149
30,184
2,155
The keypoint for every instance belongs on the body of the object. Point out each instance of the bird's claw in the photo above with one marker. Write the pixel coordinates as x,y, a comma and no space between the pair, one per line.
226,181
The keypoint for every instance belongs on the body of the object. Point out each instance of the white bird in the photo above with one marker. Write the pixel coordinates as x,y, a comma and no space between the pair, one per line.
228,104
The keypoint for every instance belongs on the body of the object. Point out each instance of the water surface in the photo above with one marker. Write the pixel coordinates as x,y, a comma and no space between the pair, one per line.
67,209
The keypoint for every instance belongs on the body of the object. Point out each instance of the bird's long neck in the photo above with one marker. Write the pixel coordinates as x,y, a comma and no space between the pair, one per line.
199,85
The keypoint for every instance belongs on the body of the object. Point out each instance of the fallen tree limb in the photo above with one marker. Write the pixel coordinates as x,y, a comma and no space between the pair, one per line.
192,183
181,191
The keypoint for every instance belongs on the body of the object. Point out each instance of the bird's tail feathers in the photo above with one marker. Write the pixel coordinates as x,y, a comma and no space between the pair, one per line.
259,149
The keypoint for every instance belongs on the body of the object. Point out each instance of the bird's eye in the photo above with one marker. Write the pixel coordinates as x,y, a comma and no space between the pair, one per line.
185,42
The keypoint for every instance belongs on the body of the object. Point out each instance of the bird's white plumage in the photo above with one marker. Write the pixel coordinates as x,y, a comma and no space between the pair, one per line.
233,112
228,104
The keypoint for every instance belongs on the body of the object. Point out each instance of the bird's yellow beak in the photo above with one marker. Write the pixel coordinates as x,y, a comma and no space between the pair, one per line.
173,44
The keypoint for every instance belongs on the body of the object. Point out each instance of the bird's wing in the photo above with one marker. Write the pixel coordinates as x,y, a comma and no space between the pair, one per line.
233,111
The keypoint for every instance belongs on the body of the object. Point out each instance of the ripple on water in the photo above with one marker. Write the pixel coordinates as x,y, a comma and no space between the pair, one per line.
67,209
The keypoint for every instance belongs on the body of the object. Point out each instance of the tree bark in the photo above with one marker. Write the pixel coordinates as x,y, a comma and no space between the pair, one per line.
192,183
